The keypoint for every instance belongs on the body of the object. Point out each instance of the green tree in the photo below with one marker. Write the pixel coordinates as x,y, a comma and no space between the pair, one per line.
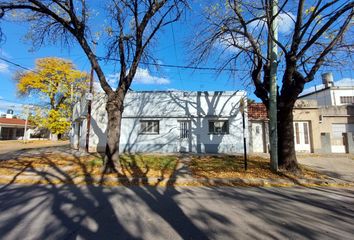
56,81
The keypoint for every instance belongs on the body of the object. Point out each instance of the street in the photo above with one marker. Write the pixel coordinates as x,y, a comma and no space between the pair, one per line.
73,212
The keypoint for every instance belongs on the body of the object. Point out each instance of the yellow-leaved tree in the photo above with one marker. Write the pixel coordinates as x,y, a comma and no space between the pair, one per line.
56,81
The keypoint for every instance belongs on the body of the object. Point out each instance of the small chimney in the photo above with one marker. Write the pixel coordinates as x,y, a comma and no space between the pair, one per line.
9,113
327,79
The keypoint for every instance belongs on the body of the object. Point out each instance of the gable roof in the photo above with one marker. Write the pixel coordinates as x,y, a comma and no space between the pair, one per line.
13,121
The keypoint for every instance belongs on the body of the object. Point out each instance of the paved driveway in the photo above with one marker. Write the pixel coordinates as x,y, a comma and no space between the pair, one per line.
337,166
72,212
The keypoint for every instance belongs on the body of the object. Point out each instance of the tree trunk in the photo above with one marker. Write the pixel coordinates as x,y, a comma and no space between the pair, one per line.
286,145
114,109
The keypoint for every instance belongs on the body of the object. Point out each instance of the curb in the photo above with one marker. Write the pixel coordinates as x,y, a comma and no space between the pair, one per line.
155,181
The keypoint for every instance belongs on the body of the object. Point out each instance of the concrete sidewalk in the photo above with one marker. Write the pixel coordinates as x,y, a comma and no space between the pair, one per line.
339,167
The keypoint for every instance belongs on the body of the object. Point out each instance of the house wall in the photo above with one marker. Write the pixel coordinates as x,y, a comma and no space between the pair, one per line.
304,111
337,93
13,132
323,98
307,111
330,96
170,108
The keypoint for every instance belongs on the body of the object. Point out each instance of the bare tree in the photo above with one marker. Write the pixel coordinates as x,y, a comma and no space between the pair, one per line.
320,30
132,26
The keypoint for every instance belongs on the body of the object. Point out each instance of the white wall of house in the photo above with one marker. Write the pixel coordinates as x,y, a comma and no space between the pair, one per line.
169,108
331,96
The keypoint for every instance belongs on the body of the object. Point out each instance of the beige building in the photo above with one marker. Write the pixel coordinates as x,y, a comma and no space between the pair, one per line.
316,129
306,127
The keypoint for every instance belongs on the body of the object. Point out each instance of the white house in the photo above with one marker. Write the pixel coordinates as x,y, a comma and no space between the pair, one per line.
12,128
330,93
167,121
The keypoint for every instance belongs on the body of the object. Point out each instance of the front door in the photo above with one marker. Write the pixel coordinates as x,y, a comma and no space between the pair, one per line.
257,137
302,137
184,136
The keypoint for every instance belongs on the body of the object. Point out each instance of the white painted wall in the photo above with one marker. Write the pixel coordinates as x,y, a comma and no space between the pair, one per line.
330,96
169,108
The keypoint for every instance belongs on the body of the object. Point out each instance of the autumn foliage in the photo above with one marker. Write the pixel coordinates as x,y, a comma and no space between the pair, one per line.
56,82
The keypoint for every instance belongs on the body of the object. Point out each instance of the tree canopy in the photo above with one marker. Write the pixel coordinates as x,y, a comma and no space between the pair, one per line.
57,82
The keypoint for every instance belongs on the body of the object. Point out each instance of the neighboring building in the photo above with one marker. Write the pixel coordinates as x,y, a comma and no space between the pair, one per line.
258,128
12,128
323,119
336,112
166,121
306,125
329,93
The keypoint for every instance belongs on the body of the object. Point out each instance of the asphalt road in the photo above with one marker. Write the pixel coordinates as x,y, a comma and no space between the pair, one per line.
71,212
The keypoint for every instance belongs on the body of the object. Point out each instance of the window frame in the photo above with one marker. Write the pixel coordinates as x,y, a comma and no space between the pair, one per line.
346,100
218,133
142,132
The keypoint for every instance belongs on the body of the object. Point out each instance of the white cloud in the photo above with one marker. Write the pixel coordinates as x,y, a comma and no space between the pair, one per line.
112,79
4,67
232,43
143,76
286,22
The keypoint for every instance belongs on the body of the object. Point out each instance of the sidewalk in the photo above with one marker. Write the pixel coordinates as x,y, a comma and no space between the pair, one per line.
28,172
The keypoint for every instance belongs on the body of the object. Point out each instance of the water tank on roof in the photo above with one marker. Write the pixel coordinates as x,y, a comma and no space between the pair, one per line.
9,113
327,79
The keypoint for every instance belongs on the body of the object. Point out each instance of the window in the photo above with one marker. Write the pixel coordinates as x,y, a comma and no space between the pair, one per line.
184,129
306,133
347,99
149,127
297,133
219,127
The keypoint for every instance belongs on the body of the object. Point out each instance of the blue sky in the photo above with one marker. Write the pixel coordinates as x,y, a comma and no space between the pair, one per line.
170,48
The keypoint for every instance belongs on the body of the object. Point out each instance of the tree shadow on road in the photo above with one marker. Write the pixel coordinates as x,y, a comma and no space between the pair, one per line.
62,209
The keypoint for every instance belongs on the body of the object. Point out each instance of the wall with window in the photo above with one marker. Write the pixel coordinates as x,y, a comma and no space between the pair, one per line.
152,122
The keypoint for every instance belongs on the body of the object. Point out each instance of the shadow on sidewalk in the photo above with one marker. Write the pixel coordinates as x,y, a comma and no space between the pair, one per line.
88,212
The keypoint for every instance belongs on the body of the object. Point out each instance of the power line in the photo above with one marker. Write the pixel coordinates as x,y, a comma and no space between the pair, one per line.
181,66
165,65
17,65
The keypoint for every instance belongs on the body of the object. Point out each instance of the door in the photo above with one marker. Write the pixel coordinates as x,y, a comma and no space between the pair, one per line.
184,136
257,132
302,137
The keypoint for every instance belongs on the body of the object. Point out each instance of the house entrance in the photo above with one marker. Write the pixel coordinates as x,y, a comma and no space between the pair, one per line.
184,136
302,137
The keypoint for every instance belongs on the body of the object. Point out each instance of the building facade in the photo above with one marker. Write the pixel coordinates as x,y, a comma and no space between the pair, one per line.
323,120
166,121
306,127
336,113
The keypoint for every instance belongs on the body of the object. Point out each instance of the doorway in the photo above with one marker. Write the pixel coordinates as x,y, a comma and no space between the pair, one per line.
184,136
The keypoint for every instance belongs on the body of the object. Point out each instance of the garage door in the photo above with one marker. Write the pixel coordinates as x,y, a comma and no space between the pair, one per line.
337,140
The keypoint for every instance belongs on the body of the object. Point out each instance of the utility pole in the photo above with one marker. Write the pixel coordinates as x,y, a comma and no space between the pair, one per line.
243,108
89,105
273,58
